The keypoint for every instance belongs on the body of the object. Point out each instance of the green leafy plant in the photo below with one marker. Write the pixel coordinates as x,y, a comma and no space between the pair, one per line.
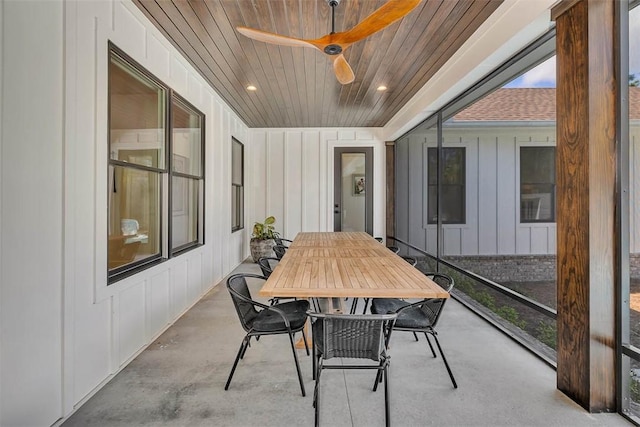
510,314
547,333
265,230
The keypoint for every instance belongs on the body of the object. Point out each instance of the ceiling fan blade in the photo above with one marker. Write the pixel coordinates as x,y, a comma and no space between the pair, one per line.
343,70
382,17
272,38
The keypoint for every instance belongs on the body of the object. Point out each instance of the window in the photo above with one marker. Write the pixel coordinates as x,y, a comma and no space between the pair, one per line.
142,226
537,184
187,174
237,185
452,186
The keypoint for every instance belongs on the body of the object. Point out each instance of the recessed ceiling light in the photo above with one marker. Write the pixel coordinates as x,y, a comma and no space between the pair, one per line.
382,88
252,88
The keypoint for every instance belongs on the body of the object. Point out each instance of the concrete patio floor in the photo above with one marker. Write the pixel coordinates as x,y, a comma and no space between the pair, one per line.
179,380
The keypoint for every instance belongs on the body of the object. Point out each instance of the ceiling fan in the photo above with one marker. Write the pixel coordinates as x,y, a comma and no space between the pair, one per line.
334,44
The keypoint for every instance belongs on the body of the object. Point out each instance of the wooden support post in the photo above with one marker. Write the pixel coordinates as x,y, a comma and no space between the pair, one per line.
586,171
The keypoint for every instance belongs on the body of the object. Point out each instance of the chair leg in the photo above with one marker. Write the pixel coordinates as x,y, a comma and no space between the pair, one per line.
366,304
387,406
354,303
247,346
379,376
316,388
316,394
295,357
444,359
415,336
241,351
314,362
304,338
430,345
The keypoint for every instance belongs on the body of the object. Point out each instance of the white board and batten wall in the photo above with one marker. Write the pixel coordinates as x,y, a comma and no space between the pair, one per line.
292,174
492,194
64,331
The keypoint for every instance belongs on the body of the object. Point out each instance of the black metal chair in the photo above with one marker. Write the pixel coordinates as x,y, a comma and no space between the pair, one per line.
421,316
267,264
411,260
379,239
259,319
279,250
354,337
354,303
394,249
282,242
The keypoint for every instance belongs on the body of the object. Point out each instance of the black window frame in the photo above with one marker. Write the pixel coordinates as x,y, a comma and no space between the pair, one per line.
551,185
432,186
166,174
198,178
237,189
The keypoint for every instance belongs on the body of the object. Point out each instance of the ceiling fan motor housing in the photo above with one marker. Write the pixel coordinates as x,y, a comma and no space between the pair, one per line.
332,49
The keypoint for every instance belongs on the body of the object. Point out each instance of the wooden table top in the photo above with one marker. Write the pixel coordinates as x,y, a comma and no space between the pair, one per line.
336,265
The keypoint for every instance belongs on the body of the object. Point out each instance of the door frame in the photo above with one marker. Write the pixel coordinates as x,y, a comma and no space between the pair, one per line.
368,151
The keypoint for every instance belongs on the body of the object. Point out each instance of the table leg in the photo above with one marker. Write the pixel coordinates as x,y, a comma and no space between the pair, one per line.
307,332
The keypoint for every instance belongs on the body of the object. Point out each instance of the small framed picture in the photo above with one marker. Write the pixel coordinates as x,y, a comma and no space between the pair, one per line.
359,186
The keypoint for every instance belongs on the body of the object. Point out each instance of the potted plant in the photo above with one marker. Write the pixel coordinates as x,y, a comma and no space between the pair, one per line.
262,242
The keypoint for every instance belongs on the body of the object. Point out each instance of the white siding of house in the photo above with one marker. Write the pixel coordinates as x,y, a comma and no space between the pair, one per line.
31,188
64,332
292,176
492,224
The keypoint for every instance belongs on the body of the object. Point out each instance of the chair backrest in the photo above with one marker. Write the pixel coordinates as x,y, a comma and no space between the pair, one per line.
267,264
241,297
379,239
433,307
411,260
394,249
352,336
279,250
282,242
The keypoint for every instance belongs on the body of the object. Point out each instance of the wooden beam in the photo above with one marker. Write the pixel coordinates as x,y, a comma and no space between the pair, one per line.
586,141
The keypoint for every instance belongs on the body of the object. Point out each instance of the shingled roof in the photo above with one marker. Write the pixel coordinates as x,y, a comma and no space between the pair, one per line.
526,104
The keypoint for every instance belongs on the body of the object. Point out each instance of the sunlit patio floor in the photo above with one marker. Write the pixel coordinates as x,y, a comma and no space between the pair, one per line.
179,381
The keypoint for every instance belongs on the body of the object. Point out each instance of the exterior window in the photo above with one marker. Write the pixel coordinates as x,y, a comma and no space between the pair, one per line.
452,186
139,165
537,184
237,185
187,129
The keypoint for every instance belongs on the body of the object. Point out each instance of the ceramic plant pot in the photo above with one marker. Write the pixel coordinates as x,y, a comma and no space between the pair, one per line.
261,248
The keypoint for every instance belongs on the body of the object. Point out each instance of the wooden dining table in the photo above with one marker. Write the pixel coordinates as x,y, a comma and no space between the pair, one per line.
340,265
332,266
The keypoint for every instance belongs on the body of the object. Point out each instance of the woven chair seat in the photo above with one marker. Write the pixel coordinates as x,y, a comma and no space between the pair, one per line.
270,321
414,318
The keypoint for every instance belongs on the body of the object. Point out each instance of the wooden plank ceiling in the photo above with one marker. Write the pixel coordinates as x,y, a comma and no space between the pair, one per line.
296,87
